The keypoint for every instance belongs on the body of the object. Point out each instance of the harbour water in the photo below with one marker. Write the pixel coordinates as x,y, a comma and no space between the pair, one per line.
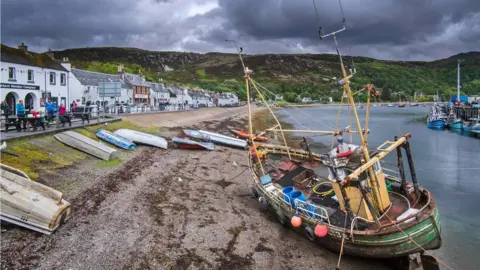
447,163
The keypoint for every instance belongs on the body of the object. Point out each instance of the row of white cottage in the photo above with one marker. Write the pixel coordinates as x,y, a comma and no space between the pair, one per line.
34,78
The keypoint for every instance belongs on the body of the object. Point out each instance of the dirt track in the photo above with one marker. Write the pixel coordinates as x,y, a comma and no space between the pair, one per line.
166,209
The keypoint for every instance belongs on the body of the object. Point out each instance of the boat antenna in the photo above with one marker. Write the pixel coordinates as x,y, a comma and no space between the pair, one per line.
239,49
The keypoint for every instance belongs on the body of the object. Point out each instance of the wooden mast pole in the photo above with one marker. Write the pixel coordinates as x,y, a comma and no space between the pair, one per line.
274,117
366,156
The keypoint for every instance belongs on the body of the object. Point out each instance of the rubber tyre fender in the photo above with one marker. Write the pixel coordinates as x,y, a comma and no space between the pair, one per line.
283,219
263,203
255,192
309,233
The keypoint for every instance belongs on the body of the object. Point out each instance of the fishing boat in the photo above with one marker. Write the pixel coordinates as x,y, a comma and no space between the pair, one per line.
243,135
185,143
473,125
343,199
453,122
87,145
29,204
390,105
116,140
436,117
413,104
216,138
143,138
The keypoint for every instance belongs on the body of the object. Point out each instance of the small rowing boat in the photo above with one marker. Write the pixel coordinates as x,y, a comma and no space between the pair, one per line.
29,204
216,138
116,139
85,144
140,137
185,143
243,135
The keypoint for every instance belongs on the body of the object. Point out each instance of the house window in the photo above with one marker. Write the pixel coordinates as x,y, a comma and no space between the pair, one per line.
52,78
30,75
63,79
11,73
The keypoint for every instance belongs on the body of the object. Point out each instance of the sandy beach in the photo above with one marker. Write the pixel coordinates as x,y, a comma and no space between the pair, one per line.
167,209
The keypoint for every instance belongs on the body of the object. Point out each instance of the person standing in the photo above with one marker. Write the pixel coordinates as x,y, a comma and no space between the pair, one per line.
62,111
50,110
21,115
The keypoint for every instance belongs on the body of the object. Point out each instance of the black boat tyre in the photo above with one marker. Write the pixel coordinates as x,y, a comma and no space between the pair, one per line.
255,192
309,233
282,219
263,203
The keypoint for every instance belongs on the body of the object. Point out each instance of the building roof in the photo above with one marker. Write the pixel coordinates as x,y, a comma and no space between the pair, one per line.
93,78
137,80
17,56
157,87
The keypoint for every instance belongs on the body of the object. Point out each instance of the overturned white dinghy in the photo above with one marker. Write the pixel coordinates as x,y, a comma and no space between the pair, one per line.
30,204
216,138
87,145
143,138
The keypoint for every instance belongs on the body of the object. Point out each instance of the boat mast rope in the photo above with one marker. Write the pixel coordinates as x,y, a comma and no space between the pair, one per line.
292,105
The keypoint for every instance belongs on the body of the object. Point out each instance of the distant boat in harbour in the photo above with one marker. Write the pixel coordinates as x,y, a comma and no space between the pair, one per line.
390,105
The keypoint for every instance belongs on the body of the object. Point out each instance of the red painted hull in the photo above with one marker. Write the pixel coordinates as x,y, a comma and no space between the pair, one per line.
243,135
190,147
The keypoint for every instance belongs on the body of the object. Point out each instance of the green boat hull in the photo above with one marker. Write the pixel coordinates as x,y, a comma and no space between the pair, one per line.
423,235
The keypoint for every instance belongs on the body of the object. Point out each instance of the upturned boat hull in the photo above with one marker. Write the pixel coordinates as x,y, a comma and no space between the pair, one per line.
116,140
192,145
85,144
436,124
216,138
143,138
29,204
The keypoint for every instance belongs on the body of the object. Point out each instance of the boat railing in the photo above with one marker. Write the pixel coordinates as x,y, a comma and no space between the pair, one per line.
308,209
312,210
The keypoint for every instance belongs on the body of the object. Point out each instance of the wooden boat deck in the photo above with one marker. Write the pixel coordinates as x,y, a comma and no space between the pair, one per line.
283,171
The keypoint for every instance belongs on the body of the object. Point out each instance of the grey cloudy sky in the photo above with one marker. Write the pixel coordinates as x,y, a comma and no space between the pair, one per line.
384,29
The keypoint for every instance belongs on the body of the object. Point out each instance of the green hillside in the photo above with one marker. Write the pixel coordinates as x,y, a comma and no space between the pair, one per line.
291,75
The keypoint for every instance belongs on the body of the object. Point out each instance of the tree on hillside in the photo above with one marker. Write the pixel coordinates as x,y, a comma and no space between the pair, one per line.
386,94
290,97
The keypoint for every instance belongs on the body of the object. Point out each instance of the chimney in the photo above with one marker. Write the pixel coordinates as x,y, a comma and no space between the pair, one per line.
50,54
120,68
23,47
65,60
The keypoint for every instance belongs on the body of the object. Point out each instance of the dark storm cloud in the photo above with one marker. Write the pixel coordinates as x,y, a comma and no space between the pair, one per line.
400,29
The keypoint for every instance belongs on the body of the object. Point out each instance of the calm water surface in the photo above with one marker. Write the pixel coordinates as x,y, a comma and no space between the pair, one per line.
447,164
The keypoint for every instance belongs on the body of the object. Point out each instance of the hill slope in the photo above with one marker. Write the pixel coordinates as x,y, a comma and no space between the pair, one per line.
289,74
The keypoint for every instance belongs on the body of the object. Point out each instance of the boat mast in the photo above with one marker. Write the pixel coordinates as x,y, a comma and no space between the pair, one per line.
346,86
458,80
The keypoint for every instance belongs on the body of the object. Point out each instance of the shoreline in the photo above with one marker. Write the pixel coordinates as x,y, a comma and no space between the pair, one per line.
165,209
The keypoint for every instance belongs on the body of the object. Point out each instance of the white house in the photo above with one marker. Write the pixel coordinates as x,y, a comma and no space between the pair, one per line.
180,95
84,87
160,94
201,98
32,78
225,99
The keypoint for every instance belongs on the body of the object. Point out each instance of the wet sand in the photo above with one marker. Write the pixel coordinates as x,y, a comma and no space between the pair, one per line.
167,209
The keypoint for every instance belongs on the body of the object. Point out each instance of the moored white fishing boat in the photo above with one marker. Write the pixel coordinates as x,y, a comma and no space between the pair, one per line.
143,138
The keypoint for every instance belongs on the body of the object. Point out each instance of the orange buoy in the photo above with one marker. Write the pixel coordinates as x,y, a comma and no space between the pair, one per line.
321,230
296,221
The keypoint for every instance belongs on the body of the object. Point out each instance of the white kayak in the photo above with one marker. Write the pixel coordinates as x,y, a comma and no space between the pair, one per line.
143,138
85,144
